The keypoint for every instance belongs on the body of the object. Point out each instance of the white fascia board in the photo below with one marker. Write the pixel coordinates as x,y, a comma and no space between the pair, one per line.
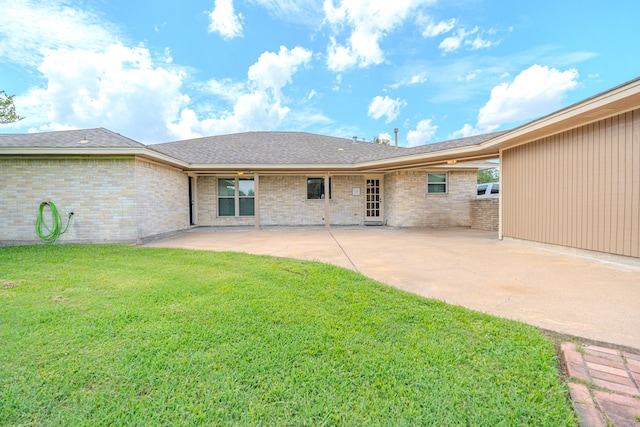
452,153
260,167
93,151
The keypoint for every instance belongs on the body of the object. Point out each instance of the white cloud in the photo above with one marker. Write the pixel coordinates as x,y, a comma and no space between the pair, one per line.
385,136
535,92
452,43
468,130
462,37
257,103
433,29
224,20
251,111
296,11
368,23
479,43
124,90
340,58
410,81
91,80
274,70
385,107
30,28
470,76
119,88
226,89
422,134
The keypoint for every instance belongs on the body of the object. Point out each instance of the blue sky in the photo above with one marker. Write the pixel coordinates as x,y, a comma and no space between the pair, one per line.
159,71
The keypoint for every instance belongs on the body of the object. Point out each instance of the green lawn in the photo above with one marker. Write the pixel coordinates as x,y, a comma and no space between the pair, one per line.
119,335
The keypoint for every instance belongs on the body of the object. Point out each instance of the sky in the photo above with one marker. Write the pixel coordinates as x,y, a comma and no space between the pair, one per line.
159,71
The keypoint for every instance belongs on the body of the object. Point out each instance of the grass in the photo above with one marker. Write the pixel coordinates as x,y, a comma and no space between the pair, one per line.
118,335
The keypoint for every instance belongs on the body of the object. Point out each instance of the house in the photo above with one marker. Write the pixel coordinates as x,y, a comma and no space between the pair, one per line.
571,178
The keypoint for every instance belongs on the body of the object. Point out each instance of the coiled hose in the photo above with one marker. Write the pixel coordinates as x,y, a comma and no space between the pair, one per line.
56,223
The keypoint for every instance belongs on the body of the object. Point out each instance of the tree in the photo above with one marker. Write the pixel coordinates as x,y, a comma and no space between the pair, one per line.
381,141
7,109
488,175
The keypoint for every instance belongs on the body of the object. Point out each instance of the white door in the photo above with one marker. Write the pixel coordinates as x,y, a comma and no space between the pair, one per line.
373,199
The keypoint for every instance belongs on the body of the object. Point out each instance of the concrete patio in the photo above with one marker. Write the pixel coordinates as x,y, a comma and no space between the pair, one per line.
572,294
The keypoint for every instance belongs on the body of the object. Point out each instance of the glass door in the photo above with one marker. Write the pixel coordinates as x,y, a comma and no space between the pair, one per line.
373,199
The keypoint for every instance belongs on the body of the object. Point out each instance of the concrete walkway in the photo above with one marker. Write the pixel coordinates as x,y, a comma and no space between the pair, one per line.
565,293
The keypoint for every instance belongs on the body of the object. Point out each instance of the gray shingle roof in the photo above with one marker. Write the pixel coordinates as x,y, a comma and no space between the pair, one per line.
256,148
294,148
273,148
454,143
96,138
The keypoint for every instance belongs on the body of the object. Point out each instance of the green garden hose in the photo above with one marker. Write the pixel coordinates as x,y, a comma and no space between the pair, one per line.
56,224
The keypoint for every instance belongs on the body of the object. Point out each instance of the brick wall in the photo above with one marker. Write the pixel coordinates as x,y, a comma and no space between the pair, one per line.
207,202
408,204
101,192
283,201
485,213
126,199
162,199
113,199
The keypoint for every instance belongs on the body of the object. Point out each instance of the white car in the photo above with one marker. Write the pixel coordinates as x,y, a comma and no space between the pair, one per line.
489,189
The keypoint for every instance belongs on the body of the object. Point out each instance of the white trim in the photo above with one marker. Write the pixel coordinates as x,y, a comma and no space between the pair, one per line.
236,197
446,183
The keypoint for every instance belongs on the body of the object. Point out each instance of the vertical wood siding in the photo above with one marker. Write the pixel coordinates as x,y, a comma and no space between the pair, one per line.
579,188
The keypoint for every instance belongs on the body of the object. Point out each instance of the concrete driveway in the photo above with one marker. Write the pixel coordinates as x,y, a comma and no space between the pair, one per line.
566,293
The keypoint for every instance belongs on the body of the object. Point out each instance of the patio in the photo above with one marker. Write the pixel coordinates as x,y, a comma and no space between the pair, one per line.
567,293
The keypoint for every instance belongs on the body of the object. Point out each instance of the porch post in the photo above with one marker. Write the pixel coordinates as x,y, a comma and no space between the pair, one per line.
256,200
327,200
500,198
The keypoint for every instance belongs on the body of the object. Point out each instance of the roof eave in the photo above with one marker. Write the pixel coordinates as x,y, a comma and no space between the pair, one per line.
618,100
268,168
94,151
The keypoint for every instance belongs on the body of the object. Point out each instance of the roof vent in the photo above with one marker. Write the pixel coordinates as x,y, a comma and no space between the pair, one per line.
355,139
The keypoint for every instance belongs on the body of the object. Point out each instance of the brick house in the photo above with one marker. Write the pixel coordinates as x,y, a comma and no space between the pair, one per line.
124,191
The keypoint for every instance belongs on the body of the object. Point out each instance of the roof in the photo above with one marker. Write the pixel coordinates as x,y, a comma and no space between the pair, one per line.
454,143
96,138
274,148
298,151
264,148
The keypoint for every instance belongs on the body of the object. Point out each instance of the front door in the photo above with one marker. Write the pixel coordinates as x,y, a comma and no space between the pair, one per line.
373,200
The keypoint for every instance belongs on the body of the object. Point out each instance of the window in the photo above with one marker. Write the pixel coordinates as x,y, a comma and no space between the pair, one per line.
236,197
436,183
315,188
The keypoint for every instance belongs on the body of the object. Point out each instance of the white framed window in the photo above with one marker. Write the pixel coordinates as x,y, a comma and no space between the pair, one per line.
437,183
315,188
236,197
